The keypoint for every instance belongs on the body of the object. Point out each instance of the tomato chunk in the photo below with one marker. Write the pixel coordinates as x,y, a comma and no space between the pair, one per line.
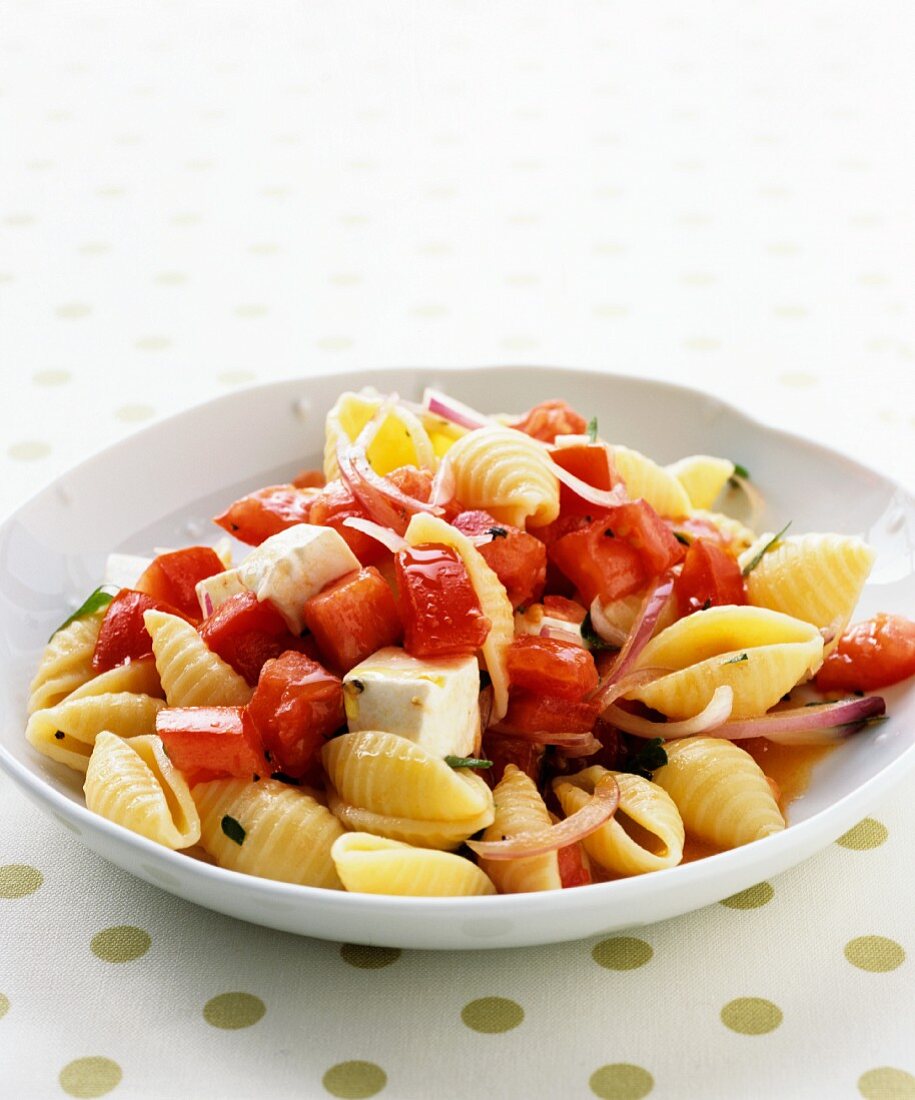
172,577
334,504
504,749
558,607
309,479
268,511
247,632
297,704
598,563
352,618
872,654
440,610
710,578
211,742
517,558
637,523
549,419
550,667
589,462
573,871
123,636
532,713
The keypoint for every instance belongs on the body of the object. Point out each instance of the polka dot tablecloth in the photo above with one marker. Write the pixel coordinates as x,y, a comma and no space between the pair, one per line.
198,196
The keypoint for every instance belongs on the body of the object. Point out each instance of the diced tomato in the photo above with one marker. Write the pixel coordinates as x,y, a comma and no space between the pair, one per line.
268,511
247,632
297,704
334,504
172,577
352,618
872,654
517,558
531,713
440,610
710,578
566,525
637,523
697,527
589,462
503,749
123,636
549,419
309,479
572,868
549,667
558,607
212,742
599,564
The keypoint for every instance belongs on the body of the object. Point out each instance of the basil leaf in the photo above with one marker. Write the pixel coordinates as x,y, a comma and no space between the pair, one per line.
233,830
593,641
467,762
646,759
741,471
739,659
92,603
757,558
592,429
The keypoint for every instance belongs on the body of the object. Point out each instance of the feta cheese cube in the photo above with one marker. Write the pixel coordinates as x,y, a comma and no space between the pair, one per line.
123,570
215,590
294,565
432,702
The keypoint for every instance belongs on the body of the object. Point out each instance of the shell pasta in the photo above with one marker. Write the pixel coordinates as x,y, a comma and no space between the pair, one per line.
470,653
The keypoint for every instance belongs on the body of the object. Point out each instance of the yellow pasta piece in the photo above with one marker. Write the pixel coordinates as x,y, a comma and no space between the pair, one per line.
191,674
506,473
703,477
374,865
66,662
721,792
389,775
520,809
817,578
737,534
285,834
67,732
136,677
401,440
645,479
646,832
760,654
423,833
490,592
133,783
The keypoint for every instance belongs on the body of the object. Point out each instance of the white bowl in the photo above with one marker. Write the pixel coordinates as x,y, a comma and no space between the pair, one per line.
161,487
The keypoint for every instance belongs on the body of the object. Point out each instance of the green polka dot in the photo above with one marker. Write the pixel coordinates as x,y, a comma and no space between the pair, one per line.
236,377
18,879
751,1015
754,897
368,958
334,343
492,1015
4,1005
251,309
621,1081
170,278
874,953
354,1080
73,310
622,953
869,833
702,343
232,1011
121,943
153,343
94,248
51,377
28,450
131,413
887,1083
88,1077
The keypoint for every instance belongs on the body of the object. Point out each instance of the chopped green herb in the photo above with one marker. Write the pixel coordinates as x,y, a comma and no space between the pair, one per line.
592,429
758,557
498,532
646,759
741,471
233,830
739,659
485,679
706,605
282,777
680,537
591,638
467,762
98,599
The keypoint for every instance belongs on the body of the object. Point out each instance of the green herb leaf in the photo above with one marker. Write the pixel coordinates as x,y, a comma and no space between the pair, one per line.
497,533
739,659
591,638
101,597
681,538
758,557
646,759
233,830
741,471
592,429
467,762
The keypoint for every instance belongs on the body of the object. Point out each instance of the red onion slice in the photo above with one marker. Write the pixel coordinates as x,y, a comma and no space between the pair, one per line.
596,811
714,715
821,724
456,412
630,682
443,484
384,535
604,629
601,498
641,632
557,633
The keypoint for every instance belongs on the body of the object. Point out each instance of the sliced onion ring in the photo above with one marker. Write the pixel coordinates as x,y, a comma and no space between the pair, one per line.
821,724
456,412
384,535
630,682
641,632
597,811
557,633
710,718
604,629
602,498
443,484
755,499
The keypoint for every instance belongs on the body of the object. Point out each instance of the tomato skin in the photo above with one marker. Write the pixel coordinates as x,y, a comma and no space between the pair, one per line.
598,564
296,705
172,577
517,558
572,868
872,654
247,632
123,636
440,610
710,578
309,479
352,618
547,666
549,419
211,742
268,511
558,607
334,504
504,749
589,462
637,523
532,713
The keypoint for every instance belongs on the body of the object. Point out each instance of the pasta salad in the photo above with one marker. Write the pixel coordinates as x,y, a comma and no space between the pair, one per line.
471,655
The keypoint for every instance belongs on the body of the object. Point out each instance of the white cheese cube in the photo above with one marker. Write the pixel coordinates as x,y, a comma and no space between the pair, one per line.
215,590
432,702
294,565
123,570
